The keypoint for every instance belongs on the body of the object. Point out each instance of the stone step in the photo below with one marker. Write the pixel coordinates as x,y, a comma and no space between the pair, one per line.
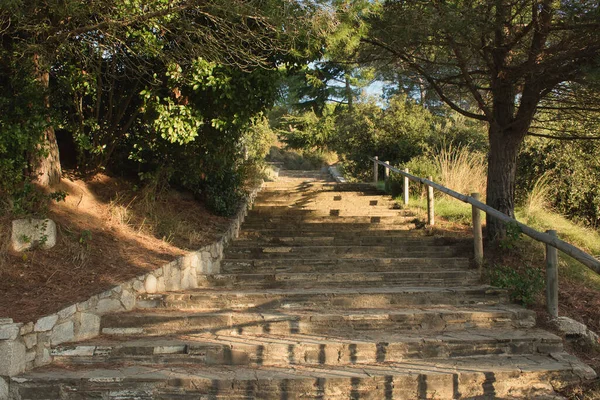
306,231
325,252
469,377
345,265
293,280
332,216
330,298
330,222
326,201
334,349
348,240
309,229
321,322
340,264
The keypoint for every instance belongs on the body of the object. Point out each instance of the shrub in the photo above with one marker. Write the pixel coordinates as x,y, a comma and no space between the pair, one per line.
574,176
523,285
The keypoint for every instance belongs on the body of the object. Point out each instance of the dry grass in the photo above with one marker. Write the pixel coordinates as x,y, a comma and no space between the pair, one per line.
537,198
162,214
461,169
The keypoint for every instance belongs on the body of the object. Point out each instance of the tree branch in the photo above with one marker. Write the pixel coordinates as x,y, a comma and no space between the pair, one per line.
563,137
427,77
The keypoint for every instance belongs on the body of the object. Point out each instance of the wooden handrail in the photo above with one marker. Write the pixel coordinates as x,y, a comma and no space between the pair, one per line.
567,248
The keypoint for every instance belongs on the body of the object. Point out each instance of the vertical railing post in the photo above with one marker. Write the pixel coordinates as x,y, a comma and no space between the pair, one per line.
375,170
430,209
386,175
405,187
552,277
477,234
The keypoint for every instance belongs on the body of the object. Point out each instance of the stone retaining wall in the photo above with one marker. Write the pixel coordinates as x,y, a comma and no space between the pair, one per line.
26,346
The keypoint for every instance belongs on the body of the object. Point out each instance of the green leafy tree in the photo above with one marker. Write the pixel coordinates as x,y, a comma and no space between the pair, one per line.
109,47
493,61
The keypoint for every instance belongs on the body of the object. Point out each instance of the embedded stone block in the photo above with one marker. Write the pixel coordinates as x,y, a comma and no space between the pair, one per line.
62,333
45,323
29,233
13,356
87,326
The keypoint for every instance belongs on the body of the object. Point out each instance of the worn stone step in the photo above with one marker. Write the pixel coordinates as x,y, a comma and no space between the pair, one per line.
470,377
340,264
285,322
307,231
348,240
328,298
302,205
334,349
324,252
329,223
345,265
342,279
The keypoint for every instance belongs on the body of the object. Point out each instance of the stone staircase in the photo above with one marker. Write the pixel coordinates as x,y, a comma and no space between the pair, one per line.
328,293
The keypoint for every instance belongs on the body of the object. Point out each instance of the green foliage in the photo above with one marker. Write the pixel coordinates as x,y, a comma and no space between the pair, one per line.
23,119
573,168
308,131
524,285
85,239
512,237
28,200
397,134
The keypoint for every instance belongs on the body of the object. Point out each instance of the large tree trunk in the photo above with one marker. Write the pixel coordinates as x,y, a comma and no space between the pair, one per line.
502,169
349,93
45,164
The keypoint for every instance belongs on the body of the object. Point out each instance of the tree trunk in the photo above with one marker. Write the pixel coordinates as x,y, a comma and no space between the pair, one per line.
45,164
349,94
502,169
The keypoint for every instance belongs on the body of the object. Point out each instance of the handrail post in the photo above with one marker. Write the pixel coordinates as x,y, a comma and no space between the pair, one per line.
552,277
375,170
477,233
430,209
405,187
386,173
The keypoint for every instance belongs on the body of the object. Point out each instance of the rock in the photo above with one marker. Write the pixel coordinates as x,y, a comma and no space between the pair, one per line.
173,279
45,323
13,356
30,340
62,333
9,331
87,326
128,300
151,284
108,305
29,233
160,284
3,389
43,357
138,286
67,312
574,329
26,329
30,356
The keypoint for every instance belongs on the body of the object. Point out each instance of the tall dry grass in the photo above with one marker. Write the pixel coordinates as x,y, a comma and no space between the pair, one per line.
537,198
461,169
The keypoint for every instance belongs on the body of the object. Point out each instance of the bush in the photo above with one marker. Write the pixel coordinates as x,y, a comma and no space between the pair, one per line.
523,285
397,134
573,183
23,119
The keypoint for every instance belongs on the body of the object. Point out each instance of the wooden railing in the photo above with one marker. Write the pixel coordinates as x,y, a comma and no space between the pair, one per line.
550,237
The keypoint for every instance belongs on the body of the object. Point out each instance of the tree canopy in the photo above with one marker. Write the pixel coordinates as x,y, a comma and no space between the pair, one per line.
494,61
